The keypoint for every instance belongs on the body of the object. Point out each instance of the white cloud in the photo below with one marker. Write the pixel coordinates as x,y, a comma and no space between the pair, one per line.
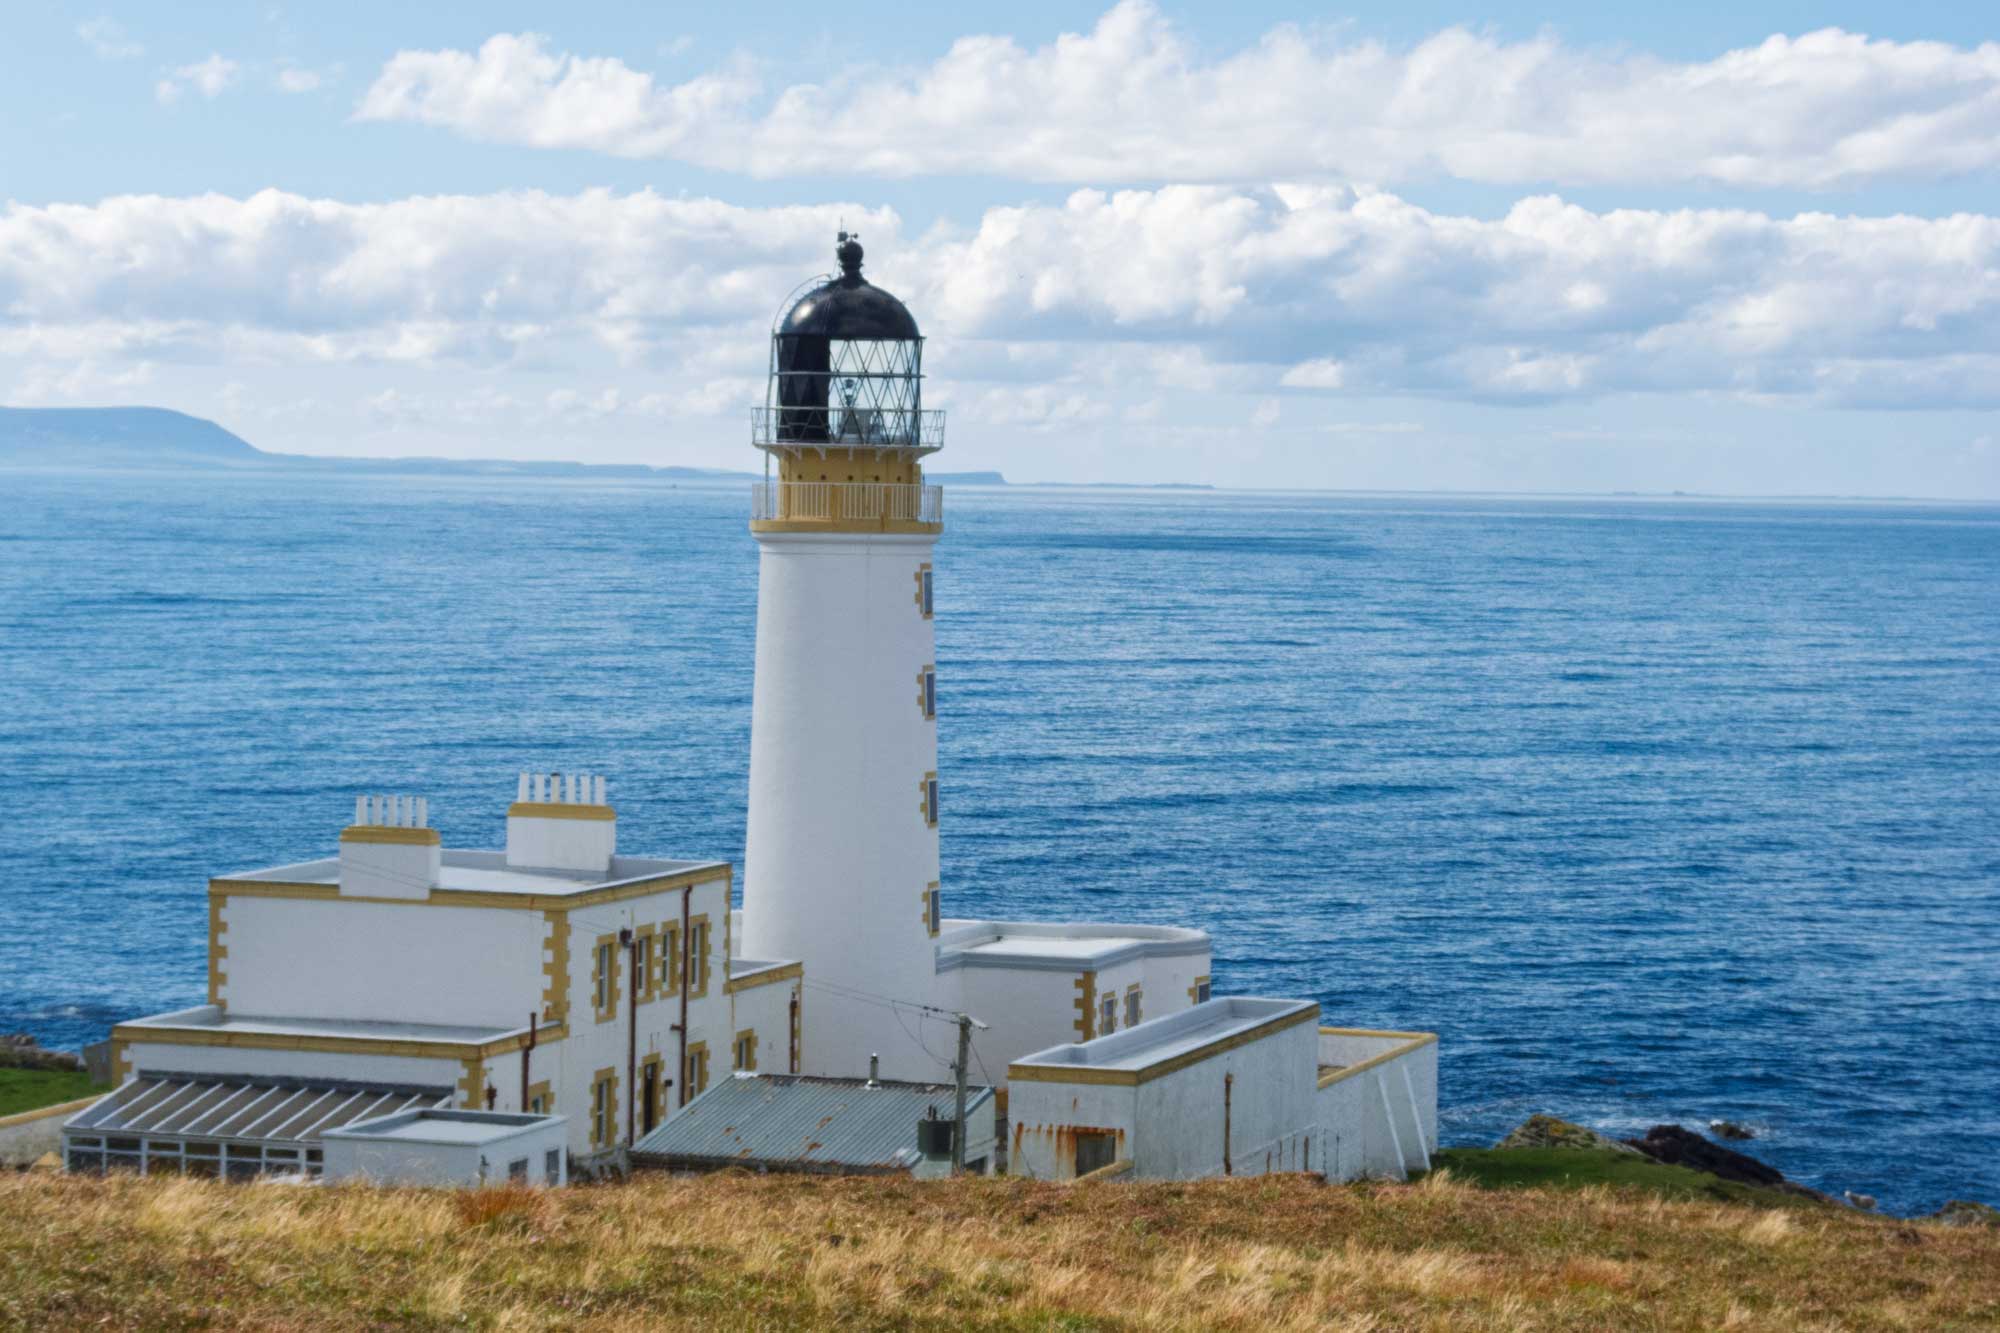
210,78
1042,315
1133,100
108,40
293,79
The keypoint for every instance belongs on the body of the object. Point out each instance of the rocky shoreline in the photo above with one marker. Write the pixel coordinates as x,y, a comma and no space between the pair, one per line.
1676,1145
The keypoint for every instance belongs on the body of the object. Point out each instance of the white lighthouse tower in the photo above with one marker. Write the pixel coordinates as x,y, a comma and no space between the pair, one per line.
842,858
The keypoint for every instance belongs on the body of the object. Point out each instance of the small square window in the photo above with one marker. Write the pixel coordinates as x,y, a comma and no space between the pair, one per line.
1201,990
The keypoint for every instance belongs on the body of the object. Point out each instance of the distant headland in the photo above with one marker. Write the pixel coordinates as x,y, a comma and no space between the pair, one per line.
158,437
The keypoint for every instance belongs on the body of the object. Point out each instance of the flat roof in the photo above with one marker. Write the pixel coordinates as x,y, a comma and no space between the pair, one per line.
488,872
1175,1040
444,1126
210,1019
1059,946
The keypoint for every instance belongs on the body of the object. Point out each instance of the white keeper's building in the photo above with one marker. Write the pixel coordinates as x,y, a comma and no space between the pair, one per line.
560,978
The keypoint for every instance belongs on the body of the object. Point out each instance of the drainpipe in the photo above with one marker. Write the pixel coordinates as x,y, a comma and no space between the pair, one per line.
526,1051
1228,1088
631,943
792,1037
687,897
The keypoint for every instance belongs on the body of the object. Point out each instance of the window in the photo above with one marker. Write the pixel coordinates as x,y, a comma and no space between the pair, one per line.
1132,1007
670,957
1199,991
643,973
540,1100
604,1109
697,1080
1107,1015
698,956
927,693
1095,1149
924,590
929,787
651,1088
517,1170
746,1049
604,977
933,909
552,1166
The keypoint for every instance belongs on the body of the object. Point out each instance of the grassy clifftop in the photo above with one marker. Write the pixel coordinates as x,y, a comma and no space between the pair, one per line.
778,1252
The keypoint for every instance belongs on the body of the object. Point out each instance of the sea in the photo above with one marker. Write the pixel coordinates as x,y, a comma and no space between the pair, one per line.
1655,810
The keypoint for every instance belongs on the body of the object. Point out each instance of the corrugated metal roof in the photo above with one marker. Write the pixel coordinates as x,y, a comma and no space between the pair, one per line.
798,1122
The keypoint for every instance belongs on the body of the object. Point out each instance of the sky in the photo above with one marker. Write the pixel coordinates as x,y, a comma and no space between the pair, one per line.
1750,248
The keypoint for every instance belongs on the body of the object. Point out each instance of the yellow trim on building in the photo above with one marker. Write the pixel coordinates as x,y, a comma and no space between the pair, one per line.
1086,1006
121,1060
217,952
553,810
1135,1005
647,937
604,1108
472,1085
555,995
769,976
325,1044
604,992
655,1089
749,1036
695,1079
525,902
928,714
670,957
1194,991
1133,1077
925,805
547,1095
1412,1041
933,915
421,837
701,941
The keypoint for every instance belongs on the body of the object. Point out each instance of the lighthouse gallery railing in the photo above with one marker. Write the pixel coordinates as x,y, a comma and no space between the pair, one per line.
833,501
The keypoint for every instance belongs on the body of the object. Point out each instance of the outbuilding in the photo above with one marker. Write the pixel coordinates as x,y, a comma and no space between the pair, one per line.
440,1147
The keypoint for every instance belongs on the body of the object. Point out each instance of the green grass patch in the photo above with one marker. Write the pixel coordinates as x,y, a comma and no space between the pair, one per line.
28,1089
1578,1168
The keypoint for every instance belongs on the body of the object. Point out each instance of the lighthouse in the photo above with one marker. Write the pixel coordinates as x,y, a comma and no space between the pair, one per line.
841,864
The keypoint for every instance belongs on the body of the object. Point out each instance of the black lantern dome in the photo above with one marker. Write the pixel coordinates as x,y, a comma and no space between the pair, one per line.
847,369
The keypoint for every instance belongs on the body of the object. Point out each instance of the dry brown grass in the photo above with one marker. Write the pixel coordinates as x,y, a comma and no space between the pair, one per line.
737,1251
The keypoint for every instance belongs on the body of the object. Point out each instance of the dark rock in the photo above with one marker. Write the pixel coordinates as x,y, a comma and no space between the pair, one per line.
19,1050
1729,1129
1545,1131
1683,1147
1966,1213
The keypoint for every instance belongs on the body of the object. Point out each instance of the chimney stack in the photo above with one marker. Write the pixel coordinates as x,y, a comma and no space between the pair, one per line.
390,851
560,821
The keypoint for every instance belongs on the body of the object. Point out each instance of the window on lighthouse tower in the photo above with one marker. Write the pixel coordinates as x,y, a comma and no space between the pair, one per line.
927,693
924,591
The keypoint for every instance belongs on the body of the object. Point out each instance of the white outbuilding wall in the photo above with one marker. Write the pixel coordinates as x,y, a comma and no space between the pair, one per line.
449,1148
1376,1103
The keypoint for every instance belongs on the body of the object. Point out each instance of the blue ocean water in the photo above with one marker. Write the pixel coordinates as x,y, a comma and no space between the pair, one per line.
1655,811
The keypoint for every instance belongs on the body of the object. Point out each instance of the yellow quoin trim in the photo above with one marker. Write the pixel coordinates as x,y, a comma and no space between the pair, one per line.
701,945
121,1060
1194,991
422,837
472,1085
769,976
555,995
652,1090
927,669
670,958
217,951
550,810
695,1080
1131,1077
548,1098
745,1050
1086,1006
925,806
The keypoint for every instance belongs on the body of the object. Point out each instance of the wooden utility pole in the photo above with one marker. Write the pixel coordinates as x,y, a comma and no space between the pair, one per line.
958,1118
